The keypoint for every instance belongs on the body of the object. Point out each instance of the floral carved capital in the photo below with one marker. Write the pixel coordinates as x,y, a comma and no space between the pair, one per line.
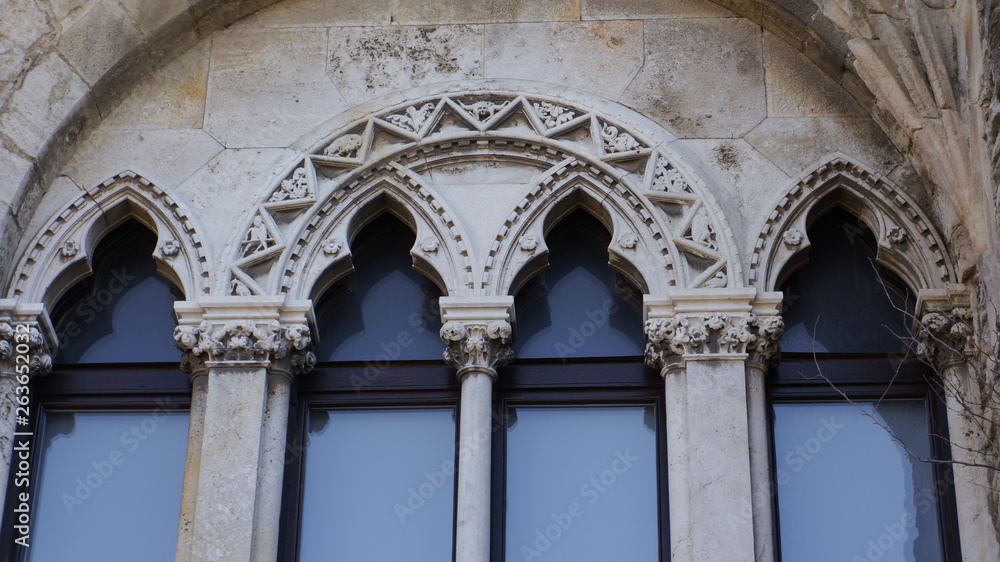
245,340
669,339
946,336
477,347
37,358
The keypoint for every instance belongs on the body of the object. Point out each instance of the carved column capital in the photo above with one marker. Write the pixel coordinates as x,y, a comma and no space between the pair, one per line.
944,326
477,347
712,324
25,331
240,330
477,331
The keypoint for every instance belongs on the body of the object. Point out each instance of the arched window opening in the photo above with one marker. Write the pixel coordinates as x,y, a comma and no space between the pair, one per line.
846,337
384,310
578,307
841,301
111,419
124,312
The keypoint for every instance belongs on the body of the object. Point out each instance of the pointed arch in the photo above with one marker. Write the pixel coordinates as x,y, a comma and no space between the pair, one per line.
908,244
60,254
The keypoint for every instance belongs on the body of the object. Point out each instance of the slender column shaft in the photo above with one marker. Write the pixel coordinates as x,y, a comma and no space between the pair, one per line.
8,426
678,468
192,466
760,465
272,469
472,533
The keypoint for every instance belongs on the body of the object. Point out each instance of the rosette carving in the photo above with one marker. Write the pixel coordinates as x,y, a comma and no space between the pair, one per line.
245,340
669,339
943,337
39,359
478,347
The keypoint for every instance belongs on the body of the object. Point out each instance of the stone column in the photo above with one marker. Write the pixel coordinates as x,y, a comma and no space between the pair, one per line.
27,343
477,331
242,342
946,340
701,341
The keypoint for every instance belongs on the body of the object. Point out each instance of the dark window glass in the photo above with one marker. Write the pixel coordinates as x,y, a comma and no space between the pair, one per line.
581,484
848,490
109,487
845,286
578,307
378,485
384,310
124,313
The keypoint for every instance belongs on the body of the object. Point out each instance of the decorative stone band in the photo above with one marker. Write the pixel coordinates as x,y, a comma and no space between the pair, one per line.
477,347
246,340
670,339
33,346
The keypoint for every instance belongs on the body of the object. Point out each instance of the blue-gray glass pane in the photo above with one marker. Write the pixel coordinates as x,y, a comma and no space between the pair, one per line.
581,484
837,302
379,485
384,311
578,307
125,312
848,491
109,486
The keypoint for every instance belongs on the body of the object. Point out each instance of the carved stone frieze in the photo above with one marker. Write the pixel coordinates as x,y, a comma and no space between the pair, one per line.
412,119
616,141
553,115
668,178
669,339
346,146
246,340
484,110
295,187
477,347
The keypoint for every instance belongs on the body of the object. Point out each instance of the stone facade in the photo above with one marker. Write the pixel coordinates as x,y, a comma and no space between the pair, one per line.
255,137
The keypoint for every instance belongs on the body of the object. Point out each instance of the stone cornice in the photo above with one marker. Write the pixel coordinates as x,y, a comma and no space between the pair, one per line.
40,337
944,328
242,331
723,324
477,332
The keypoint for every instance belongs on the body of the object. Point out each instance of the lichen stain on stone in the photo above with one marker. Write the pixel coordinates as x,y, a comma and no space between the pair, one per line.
727,156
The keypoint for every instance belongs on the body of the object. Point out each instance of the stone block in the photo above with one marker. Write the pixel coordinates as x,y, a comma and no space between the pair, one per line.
165,157
151,14
323,13
567,54
267,87
12,63
59,193
14,171
651,9
247,172
753,183
173,97
367,62
22,22
49,95
702,78
106,25
796,143
796,87
410,12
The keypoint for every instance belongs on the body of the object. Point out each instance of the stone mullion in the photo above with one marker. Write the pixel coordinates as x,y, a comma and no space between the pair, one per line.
250,348
192,464
710,347
477,332
42,343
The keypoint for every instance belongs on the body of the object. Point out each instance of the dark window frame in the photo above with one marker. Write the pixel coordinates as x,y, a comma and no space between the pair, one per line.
840,377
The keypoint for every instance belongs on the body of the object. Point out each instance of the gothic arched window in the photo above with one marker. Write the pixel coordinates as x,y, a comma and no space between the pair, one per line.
110,420
857,425
579,469
376,427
